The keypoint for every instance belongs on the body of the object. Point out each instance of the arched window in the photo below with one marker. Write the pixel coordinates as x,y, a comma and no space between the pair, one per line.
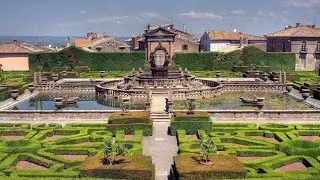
318,46
303,46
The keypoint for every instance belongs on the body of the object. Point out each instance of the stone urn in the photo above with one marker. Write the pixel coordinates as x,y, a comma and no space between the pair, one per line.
289,87
260,102
55,77
180,70
102,74
305,93
31,88
218,74
64,74
256,73
265,77
14,94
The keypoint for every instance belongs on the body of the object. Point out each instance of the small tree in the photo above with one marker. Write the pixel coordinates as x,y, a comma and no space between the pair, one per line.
111,151
125,106
206,146
191,104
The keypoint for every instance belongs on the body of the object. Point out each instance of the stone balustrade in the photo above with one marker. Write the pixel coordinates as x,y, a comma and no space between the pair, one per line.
55,115
295,115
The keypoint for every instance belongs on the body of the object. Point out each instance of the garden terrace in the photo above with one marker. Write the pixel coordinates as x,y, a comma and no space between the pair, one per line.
270,151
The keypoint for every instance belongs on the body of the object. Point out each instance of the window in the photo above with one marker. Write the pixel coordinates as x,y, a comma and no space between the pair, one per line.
303,46
283,46
184,47
318,46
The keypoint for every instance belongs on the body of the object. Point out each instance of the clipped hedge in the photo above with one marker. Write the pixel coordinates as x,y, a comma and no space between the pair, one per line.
134,167
187,167
249,56
129,118
96,61
277,127
302,148
191,123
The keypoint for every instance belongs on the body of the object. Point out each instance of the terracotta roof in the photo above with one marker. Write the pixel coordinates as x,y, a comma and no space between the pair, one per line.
81,42
13,48
223,35
300,31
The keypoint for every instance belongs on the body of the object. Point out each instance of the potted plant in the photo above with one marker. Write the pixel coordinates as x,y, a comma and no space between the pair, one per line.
289,87
55,77
265,77
305,93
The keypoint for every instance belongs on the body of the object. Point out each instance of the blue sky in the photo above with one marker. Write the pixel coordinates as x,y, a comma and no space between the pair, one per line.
125,17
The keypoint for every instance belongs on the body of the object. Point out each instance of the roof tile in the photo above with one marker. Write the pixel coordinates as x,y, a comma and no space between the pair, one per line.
223,35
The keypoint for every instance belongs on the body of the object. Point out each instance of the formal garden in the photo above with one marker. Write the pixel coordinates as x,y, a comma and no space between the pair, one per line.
245,150
75,89
50,151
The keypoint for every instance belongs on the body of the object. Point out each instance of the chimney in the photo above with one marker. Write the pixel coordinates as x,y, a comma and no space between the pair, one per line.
297,24
171,26
14,41
148,27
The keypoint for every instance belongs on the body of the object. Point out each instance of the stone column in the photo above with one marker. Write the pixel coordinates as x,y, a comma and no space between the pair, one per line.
169,103
284,77
280,77
148,101
35,78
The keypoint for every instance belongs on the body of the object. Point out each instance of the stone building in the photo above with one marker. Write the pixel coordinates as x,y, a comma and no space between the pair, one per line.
15,56
222,41
95,42
184,41
303,40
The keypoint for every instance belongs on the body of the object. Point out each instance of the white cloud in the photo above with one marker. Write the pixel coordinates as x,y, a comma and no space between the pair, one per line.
114,19
150,15
83,12
199,15
302,3
238,12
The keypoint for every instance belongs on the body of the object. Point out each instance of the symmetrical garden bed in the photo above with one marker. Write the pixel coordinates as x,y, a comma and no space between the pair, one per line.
53,151
271,151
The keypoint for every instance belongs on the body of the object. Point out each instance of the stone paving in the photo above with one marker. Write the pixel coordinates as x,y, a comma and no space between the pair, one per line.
162,148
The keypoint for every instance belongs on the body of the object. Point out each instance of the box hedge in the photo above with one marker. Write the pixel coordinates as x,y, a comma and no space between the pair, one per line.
134,167
96,61
187,167
191,123
249,56
129,118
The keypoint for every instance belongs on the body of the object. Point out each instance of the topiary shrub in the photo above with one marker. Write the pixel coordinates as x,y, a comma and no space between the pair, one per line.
277,127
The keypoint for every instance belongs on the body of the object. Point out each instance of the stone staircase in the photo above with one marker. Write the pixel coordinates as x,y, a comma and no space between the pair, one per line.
160,116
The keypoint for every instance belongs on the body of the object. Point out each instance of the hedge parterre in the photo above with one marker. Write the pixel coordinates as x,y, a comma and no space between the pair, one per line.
267,151
56,152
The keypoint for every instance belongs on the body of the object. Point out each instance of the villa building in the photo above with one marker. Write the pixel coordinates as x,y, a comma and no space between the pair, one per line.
15,56
184,41
96,42
222,41
303,40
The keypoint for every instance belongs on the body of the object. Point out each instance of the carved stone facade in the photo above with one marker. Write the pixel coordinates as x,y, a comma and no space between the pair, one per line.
159,37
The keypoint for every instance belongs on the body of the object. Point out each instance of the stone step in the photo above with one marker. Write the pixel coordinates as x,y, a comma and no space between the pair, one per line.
161,119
